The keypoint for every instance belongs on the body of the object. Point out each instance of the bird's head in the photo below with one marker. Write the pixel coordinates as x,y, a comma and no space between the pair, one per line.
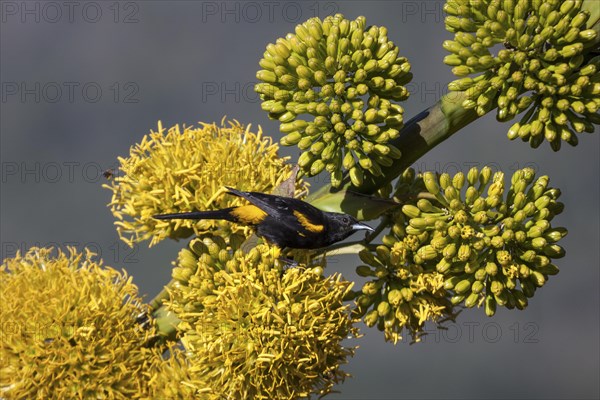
343,225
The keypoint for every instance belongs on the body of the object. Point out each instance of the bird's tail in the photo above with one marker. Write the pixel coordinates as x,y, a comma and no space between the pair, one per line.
216,214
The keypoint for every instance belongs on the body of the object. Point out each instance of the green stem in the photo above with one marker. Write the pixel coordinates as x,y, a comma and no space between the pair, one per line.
166,321
592,23
421,134
157,301
338,246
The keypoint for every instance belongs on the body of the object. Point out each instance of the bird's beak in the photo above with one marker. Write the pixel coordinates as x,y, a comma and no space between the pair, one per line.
359,227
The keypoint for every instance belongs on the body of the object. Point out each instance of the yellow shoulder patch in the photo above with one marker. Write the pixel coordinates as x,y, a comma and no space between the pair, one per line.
249,214
306,223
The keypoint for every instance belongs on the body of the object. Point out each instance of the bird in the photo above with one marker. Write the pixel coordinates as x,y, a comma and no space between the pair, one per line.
283,221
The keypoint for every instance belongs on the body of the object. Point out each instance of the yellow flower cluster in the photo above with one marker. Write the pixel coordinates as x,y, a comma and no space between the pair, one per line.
69,331
255,330
186,169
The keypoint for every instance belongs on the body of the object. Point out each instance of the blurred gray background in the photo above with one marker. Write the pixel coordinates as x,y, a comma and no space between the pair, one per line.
83,81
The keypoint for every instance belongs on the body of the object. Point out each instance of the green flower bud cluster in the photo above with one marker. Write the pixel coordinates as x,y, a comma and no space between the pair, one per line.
255,330
207,254
344,81
401,293
495,249
543,67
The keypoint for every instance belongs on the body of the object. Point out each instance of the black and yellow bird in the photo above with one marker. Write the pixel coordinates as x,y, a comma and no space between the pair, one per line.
283,221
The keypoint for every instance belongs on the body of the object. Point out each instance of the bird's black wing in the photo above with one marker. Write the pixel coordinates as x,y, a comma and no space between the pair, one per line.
295,213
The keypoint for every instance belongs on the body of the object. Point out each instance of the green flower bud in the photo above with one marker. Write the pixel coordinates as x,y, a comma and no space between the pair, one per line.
371,318
427,253
356,176
291,138
450,283
554,251
477,287
443,266
554,235
537,278
384,309
549,269
454,232
305,159
266,76
471,300
449,251
372,287
464,252
411,211
490,306
497,288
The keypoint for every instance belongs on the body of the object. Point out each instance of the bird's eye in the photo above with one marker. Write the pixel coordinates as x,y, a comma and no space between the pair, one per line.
345,220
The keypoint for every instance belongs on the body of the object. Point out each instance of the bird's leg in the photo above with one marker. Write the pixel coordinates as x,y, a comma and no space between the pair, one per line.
295,257
288,263
143,320
288,259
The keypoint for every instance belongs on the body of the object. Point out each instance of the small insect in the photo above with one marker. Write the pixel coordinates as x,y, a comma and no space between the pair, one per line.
109,173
